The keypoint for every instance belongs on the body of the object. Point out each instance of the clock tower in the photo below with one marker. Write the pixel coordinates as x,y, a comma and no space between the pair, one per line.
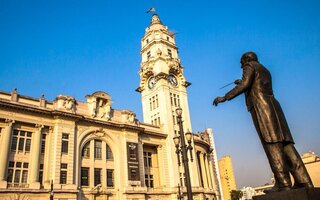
163,89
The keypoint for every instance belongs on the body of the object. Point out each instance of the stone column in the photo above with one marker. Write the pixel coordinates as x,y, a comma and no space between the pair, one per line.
35,158
208,172
4,149
214,184
203,170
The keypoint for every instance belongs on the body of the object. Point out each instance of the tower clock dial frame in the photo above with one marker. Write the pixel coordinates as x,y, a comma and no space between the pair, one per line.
172,80
151,82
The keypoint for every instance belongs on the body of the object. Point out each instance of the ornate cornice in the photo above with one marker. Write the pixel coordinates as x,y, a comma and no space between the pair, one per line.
61,114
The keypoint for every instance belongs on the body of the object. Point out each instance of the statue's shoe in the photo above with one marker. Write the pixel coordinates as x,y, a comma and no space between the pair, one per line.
302,185
277,189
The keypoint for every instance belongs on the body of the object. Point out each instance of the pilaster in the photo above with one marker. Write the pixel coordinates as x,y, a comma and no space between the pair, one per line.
34,159
203,169
208,171
4,149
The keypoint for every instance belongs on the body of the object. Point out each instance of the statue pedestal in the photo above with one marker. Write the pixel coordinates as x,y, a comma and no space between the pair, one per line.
295,194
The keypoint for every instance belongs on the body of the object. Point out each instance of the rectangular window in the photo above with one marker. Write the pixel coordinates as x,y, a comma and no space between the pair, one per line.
43,143
17,174
86,150
28,145
147,157
148,55
157,101
24,176
14,143
97,176
97,149
10,175
109,153
65,143
149,180
150,102
153,103
84,176
41,173
21,144
21,141
110,178
169,52
63,173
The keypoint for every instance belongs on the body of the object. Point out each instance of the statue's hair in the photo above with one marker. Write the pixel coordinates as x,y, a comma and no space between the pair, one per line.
249,56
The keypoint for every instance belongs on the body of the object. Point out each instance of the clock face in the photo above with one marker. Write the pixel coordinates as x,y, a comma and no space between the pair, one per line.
152,82
172,80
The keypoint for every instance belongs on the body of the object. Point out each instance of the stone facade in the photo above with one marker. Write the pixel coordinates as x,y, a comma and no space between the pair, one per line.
89,150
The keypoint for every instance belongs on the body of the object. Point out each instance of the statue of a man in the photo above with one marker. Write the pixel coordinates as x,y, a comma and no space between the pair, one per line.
270,123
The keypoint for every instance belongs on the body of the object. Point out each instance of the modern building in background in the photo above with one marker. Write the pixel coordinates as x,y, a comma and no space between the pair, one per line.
89,150
247,193
227,178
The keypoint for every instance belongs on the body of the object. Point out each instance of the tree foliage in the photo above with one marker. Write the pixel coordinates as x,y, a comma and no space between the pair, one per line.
236,194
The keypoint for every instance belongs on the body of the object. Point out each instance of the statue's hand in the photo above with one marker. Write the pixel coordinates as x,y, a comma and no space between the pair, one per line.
218,100
237,82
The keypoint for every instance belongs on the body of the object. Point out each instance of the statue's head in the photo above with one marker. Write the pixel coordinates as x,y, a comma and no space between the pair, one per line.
248,57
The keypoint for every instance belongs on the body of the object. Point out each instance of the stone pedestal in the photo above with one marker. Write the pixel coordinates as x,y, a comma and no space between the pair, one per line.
295,194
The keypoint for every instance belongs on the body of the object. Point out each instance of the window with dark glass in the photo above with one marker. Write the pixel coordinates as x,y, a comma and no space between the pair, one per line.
110,178
86,150
109,153
63,173
84,176
169,52
148,55
149,180
17,173
147,156
40,173
97,176
97,149
65,143
21,141
43,143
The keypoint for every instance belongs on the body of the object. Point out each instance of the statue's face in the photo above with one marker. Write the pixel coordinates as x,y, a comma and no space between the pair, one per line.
242,61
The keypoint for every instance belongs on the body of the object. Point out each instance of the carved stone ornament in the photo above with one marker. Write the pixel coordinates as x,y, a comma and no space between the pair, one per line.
100,105
9,122
132,146
99,133
39,126
66,102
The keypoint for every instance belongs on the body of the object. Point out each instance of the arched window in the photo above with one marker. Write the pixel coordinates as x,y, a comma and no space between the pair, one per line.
102,157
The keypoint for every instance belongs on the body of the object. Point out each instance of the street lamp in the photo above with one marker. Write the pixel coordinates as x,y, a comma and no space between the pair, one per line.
183,149
51,190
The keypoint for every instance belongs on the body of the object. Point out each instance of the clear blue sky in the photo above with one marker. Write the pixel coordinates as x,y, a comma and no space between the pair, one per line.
78,47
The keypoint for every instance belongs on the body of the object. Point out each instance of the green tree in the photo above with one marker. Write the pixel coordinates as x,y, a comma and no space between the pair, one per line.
236,194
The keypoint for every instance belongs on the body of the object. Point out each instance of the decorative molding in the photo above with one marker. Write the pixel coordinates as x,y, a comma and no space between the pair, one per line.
9,122
39,126
99,132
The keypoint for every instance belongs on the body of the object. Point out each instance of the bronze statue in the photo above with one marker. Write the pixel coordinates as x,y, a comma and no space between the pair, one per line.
270,123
